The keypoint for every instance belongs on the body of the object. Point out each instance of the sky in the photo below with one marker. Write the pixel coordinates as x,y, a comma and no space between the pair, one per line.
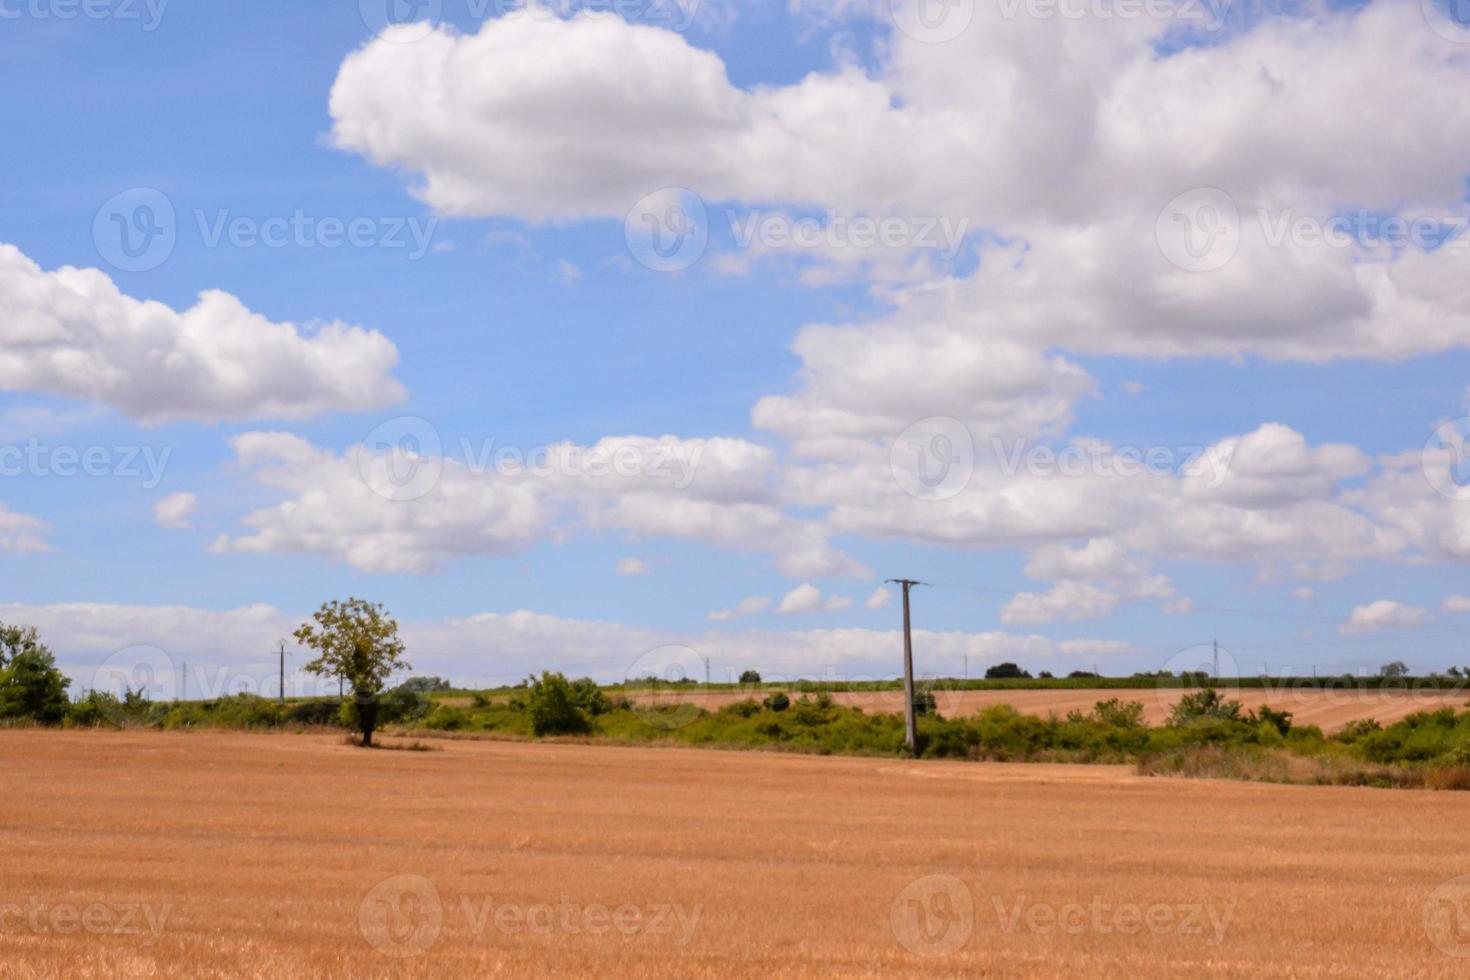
658,334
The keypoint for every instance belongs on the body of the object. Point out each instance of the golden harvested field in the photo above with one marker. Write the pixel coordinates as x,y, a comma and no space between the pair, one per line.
1329,709
154,854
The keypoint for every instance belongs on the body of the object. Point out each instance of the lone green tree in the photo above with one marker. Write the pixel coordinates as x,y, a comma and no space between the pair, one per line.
30,685
358,641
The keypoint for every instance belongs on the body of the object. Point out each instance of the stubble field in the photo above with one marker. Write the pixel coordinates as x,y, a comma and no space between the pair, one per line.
168,854
1329,709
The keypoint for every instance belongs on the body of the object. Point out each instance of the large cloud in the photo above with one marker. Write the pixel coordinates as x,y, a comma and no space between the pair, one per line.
1066,136
72,332
356,507
1019,118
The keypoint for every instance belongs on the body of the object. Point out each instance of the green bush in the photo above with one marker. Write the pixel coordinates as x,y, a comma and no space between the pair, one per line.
742,709
777,702
1279,720
588,697
1204,706
425,685
96,709
317,711
102,708
552,702
1118,714
447,718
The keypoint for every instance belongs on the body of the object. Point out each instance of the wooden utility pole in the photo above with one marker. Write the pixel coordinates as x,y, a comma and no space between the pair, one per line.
910,723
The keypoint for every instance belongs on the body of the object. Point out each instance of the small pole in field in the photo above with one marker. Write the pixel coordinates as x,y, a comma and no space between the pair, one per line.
283,671
910,722
706,671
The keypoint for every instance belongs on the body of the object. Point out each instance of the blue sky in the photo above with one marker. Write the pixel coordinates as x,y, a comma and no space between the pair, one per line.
526,322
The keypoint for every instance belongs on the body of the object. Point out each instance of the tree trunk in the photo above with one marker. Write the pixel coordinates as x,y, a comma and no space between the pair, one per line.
367,717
